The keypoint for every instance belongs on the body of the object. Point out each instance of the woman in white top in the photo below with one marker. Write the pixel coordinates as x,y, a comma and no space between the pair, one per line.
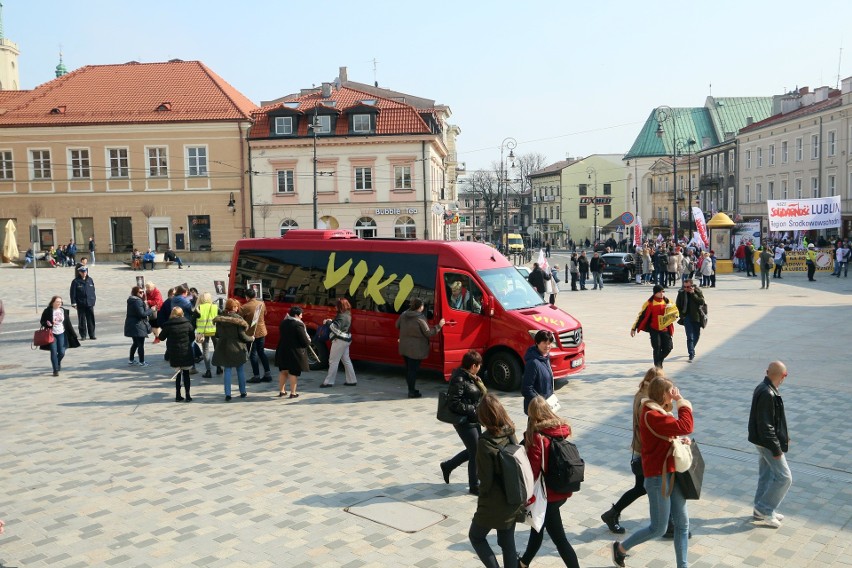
57,320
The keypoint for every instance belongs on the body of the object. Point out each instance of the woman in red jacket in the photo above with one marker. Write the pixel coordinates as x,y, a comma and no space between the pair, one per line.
543,425
656,428
650,320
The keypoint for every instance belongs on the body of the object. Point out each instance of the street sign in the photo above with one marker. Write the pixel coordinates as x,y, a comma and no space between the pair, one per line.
627,217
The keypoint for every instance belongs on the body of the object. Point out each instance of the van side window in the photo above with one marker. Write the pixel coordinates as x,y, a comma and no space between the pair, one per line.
462,293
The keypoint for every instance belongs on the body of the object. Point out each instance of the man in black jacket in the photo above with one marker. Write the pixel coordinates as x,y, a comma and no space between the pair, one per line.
536,279
83,299
767,430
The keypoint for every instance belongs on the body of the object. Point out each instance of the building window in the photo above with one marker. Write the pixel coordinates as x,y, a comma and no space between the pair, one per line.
759,188
814,187
799,150
158,162
584,212
82,228
41,164
514,219
364,180
286,225
286,181
196,158
772,154
584,189
323,124
7,169
784,152
119,165
748,193
122,236
771,190
607,212
80,164
366,228
404,228
783,189
607,189
832,142
666,185
362,123
402,177
832,186
283,125
760,157
748,159
199,232
732,162
730,199
814,146
798,188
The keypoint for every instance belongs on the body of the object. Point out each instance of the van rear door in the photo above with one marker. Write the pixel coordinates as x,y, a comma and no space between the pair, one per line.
466,327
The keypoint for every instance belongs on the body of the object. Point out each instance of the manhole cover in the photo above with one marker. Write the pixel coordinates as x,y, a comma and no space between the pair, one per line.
395,514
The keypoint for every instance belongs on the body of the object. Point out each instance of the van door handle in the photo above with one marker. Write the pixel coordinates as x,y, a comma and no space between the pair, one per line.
451,322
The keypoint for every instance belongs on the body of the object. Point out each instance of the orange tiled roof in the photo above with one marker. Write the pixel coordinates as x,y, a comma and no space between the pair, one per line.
129,93
393,117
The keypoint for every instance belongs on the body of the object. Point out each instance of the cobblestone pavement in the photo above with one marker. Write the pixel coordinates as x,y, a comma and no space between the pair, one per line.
100,467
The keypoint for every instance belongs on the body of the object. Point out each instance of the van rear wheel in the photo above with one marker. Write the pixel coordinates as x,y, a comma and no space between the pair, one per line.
319,362
504,372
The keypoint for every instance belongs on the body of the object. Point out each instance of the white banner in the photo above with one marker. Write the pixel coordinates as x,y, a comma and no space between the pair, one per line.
701,226
637,231
804,214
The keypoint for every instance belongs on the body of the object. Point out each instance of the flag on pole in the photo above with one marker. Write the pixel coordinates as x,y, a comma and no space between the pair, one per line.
542,261
637,231
701,226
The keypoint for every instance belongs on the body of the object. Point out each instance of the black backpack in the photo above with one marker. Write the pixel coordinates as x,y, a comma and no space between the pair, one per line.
565,468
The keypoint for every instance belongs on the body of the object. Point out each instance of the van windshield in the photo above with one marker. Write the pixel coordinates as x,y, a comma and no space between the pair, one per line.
510,288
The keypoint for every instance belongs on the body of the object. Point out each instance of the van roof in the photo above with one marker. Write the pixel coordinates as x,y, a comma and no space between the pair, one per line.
318,234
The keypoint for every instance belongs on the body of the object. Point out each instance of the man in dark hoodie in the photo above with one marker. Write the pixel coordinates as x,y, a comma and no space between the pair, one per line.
538,374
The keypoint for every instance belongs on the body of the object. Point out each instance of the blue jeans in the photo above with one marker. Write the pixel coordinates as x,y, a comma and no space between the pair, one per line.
258,351
773,481
598,277
57,350
693,334
506,540
661,507
241,377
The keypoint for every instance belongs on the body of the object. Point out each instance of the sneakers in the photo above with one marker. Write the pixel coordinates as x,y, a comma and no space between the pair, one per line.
771,522
617,556
145,364
610,518
132,363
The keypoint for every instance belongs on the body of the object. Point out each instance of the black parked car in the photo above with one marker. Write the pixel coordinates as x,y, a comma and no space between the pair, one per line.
619,265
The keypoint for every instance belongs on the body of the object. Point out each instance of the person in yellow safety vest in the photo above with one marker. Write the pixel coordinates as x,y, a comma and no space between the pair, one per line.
810,260
204,327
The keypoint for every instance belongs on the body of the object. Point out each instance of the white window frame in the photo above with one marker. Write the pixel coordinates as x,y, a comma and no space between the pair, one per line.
814,187
784,152
7,165
770,190
286,225
363,178
832,185
798,188
120,162
287,181
323,124
79,163
158,161
402,177
283,125
760,157
366,224
784,189
359,118
772,154
759,190
40,166
748,159
832,142
196,165
747,193
404,227
732,162
800,149
814,146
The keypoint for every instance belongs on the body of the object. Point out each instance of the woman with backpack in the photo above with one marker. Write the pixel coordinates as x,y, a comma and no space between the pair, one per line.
492,508
656,430
464,393
543,426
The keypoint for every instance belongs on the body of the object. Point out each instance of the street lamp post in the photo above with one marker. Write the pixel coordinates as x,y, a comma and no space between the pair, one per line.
590,170
313,126
510,144
663,114
687,145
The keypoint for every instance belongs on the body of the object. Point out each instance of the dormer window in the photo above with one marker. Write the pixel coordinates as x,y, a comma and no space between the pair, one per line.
283,125
164,107
323,124
362,123
292,104
58,110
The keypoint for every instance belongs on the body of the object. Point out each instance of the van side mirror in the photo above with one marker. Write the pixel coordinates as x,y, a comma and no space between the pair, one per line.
488,303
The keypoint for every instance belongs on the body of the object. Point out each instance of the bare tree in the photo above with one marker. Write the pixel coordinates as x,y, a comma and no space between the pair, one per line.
264,209
148,210
36,210
482,185
527,164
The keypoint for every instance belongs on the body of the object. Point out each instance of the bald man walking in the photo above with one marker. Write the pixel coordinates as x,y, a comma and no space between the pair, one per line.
767,430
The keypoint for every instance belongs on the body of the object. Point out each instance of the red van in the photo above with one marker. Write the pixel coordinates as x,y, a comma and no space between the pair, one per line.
494,310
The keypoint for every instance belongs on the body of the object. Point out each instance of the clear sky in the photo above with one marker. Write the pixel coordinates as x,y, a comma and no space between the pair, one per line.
561,77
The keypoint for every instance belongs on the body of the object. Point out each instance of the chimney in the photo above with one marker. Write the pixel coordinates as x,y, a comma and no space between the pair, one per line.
326,90
804,90
846,86
342,75
749,120
789,103
820,94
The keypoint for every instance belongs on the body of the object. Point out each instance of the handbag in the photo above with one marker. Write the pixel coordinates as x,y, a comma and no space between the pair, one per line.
444,413
42,337
702,316
690,480
553,403
679,451
536,507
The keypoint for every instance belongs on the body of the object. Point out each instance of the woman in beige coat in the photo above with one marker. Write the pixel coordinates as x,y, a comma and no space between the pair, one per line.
414,334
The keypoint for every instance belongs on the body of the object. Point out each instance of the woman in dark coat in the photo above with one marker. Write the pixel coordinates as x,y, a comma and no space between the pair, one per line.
136,325
414,334
56,318
291,355
492,509
464,392
231,352
179,335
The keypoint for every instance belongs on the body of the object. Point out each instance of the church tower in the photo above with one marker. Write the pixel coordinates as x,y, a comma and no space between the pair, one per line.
9,79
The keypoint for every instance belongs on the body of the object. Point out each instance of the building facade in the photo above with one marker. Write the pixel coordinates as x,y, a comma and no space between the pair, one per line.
364,159
802,151
593,197
132,155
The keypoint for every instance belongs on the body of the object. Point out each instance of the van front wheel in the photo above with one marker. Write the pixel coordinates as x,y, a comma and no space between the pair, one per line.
504,372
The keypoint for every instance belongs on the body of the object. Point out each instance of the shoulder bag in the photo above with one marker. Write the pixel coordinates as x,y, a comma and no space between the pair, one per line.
444,413
690,480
